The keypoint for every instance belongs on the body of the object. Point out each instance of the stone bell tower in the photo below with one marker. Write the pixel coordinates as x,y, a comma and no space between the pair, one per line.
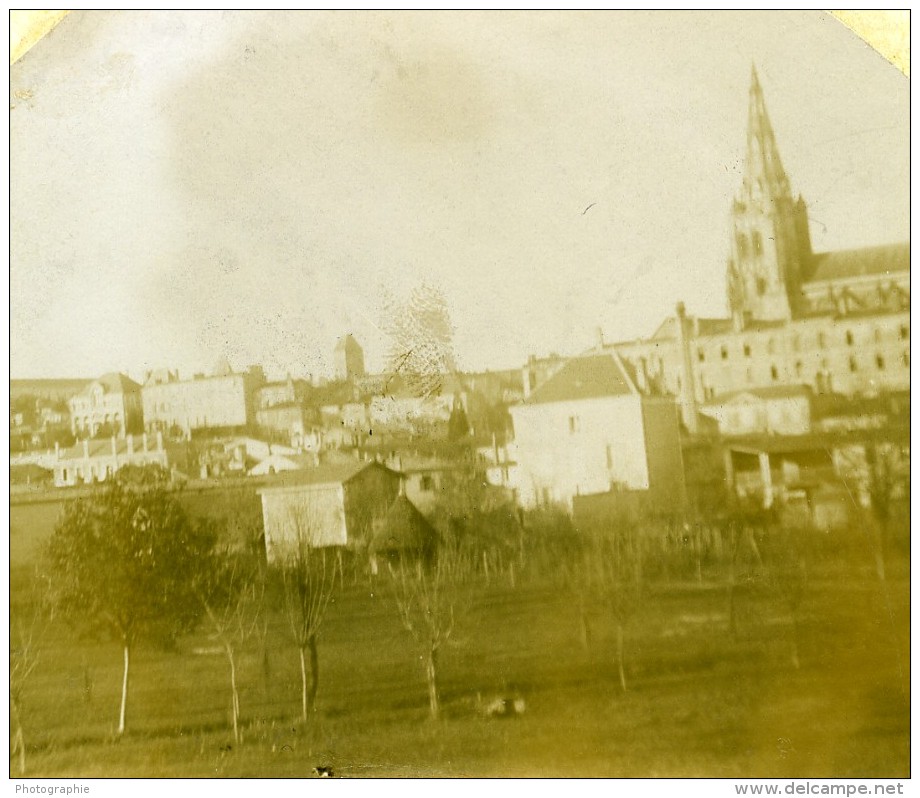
770,240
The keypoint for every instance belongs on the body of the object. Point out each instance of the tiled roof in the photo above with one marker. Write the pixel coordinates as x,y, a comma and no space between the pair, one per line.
766,392
891,259
324,474
113,382
102,447
588,377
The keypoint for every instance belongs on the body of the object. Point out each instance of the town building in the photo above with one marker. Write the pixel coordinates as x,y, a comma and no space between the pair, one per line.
110,405
348,358
588,429
97,460
224,400
838,322
333,504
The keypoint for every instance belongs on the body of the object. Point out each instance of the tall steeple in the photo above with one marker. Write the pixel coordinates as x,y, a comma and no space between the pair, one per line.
764,176
770,241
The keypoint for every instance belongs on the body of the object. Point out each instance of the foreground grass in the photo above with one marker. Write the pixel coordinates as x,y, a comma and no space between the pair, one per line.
701,701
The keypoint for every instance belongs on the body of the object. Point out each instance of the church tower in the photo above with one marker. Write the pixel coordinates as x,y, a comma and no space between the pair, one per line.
770,240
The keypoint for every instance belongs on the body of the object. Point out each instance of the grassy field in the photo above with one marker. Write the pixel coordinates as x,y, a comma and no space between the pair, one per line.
700,700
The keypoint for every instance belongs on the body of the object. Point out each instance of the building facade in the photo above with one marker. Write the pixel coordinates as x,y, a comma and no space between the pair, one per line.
111,405
588,429
98,460
225,399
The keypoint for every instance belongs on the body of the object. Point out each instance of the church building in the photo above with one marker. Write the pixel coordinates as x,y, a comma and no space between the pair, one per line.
836,322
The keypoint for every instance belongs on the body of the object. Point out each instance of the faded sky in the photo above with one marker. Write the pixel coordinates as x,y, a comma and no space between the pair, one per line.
191,184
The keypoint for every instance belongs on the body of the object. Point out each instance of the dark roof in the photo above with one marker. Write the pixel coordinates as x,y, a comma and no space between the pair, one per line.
325,474
588,377
102,447
865,262
347,342
767,392
113,382
667,330
403,527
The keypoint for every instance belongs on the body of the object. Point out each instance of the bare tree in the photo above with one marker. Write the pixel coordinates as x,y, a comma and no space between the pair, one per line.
25,641
308,576
612,574
428,598
231,589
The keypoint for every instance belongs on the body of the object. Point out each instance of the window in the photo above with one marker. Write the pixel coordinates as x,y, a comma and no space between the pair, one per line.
877,335
854,366
747,350
574,424
774,373
749,374
905,358
724,352
761,286
63,475
903,332
742,243
426,483
609,456
822,340
849,337
798,368
880,362
701,355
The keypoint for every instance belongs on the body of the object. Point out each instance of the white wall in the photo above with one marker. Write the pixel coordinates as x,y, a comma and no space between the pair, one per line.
315,511
557,461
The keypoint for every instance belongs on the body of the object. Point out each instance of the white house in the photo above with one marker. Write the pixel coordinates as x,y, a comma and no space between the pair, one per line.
776,410
588,430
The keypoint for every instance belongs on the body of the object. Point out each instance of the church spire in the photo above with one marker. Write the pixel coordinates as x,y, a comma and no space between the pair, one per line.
764,176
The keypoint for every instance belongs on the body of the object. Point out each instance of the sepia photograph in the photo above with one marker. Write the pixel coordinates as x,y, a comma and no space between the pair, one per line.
460,394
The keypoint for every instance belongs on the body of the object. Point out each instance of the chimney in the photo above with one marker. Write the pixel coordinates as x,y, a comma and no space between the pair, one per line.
687,393
159,441
525,379
144,440
57,450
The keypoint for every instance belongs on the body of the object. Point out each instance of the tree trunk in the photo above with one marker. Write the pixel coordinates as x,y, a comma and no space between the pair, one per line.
795,638
19,740
314,674
303,684
431,671
620,655
235,695
124,693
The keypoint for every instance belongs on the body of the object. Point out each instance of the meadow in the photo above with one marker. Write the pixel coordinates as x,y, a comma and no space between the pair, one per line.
702,698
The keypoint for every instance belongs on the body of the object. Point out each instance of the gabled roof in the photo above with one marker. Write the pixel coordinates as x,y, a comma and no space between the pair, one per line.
113,382
891,259
766,393
325,474
587,377
403,527
667,330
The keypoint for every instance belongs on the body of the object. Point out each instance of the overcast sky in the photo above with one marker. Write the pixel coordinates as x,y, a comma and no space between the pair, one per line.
191,184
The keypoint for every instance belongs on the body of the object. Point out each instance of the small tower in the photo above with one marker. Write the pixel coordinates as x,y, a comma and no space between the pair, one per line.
349,358
770,241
